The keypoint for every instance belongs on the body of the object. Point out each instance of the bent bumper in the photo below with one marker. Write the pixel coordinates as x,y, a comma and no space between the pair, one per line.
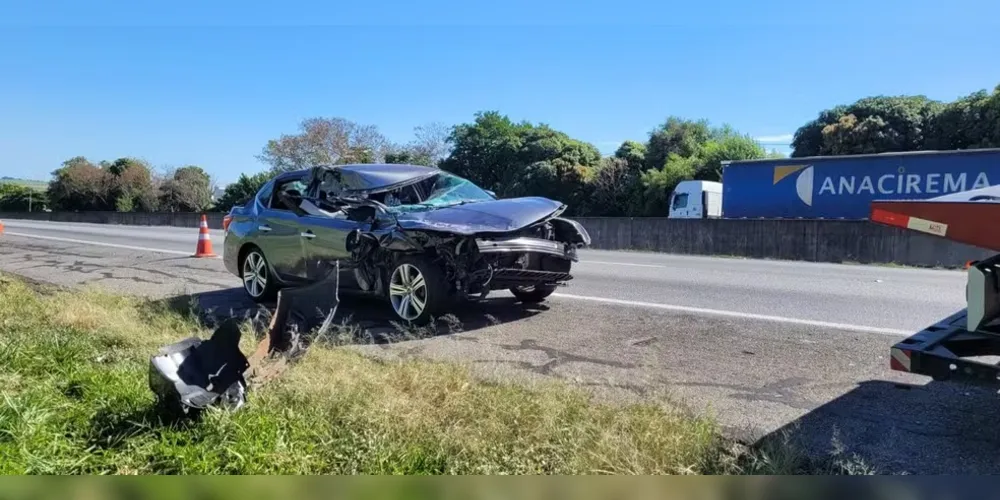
527,245
508,277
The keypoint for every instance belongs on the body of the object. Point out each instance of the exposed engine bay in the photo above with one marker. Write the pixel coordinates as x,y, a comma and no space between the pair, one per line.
473,265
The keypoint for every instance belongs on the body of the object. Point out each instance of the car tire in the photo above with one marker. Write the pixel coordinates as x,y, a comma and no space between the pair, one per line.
262,286
533,294
419,283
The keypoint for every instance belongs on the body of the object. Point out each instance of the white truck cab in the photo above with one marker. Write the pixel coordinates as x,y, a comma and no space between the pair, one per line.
696,200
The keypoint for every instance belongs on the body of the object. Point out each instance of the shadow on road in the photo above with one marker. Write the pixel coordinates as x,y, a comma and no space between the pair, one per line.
369,319
937,428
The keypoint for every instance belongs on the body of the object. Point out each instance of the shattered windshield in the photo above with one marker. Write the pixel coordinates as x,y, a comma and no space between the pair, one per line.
441,190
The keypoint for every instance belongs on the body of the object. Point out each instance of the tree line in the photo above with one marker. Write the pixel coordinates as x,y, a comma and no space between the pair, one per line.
884,124
520,159
123,185
523,158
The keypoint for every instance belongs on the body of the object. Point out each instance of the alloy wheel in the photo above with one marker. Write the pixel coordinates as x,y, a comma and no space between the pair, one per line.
254,274
408,292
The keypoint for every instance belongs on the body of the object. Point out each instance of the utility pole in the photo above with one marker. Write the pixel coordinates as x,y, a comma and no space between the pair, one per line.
29,200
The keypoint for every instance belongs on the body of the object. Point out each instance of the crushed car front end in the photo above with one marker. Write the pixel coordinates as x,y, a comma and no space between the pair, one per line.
539,255
486,244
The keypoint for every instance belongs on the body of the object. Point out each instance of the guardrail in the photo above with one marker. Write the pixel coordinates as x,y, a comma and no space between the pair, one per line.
788,239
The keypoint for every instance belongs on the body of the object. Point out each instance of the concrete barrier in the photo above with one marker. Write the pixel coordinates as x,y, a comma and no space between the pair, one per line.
176,219
792,239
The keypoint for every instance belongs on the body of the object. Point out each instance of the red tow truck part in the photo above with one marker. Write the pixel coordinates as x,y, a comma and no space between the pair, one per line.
944,350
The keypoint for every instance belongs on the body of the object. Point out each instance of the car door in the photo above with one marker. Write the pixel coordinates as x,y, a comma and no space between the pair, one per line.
325,240
280,233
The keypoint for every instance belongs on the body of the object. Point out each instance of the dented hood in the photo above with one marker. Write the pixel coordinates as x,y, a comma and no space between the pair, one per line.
484,216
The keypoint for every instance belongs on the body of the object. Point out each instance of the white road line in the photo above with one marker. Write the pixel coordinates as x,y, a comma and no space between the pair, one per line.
622,264
741,315
99,243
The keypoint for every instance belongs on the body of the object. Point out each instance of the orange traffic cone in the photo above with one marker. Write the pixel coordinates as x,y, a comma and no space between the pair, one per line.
204,240
1,227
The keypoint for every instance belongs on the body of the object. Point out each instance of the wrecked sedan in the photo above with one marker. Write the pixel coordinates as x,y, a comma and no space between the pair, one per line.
420,237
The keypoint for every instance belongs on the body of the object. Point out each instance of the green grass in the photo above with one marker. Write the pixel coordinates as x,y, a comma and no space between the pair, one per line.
74,399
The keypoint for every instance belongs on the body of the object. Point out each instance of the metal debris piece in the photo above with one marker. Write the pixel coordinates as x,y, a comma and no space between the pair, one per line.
298,310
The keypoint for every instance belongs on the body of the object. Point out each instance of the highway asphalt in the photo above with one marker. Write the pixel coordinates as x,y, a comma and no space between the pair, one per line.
868,298
766,346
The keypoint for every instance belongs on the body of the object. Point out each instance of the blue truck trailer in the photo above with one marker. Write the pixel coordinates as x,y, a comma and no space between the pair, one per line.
843,187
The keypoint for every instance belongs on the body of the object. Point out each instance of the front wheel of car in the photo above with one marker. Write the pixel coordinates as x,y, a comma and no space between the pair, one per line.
533,294
257,280
417,290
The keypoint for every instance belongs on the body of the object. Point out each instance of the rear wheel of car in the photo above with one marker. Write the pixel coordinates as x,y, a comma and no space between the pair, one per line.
533,294
417,290
257,280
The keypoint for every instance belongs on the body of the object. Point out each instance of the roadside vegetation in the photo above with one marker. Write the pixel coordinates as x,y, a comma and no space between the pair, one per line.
515,158
74,399
21,196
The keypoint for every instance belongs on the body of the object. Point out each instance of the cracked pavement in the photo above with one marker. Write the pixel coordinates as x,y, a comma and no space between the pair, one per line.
123,272
757,377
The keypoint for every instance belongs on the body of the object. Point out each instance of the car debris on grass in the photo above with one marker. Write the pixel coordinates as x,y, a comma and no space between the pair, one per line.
190,375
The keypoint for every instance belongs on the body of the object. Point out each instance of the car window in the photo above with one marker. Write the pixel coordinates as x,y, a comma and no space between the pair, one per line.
330,185
290,185
264,196
680,200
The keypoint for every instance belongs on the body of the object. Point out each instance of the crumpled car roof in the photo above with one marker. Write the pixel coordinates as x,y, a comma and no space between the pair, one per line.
481,216
372,177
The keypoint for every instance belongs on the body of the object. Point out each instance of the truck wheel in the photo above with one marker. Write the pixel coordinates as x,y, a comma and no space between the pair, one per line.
417,290
533,294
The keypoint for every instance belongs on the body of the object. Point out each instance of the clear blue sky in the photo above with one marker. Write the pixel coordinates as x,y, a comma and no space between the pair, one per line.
180,83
